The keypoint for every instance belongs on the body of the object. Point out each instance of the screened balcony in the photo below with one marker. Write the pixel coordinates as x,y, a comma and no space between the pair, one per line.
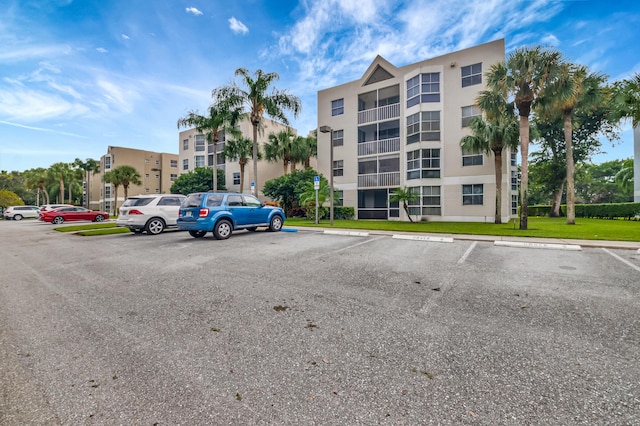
379,105
379,138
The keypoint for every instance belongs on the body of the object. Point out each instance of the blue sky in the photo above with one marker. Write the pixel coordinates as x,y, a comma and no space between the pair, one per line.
79,75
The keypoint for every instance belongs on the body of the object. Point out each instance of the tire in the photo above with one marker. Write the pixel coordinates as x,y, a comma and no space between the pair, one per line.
99,218
276,223
155,226
197,234
17,217
58,220
222,230
252,228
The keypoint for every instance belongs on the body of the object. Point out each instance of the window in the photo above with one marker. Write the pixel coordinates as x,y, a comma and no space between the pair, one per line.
472,194
423,163
430,126
170,201
236,178
514,204
146,190
471,158
157,162
413,128
157,190
146,175
107,162
337,136
471,74
427,203
185,144
174,163
199,160
200,143
337,107
234,200
157,176
146,161
338,198
107,191
251,201
469,113
423,88
185,164
338,168
514,159
514,180
173,177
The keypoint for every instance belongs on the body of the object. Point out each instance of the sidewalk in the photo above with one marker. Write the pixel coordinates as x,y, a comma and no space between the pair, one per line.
625,245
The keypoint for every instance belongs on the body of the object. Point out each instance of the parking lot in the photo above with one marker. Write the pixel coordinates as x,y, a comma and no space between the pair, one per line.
303,328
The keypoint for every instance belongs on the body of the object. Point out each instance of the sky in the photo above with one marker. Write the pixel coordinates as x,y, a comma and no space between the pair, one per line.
77,76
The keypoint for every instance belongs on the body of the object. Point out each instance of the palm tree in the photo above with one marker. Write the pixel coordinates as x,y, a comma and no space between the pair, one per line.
239,150
127,175
223,115
90,167
113,177
625,175
280,147
404,195
59,172
627,99
525,76
308,197
493,134
303,150
35,179
259,102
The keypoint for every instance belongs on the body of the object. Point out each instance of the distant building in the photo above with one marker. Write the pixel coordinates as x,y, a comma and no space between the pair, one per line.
401,126
157,172
194,151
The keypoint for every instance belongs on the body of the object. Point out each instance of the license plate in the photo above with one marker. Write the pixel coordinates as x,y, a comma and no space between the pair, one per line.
187,214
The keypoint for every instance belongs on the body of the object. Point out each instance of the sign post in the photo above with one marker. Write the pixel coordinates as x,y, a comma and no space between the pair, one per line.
253,188
316,186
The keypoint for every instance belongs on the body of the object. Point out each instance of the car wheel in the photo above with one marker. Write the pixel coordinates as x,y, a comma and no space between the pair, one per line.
252,228
99,218
222,230
276,223
58,220
155,226
197,234
17,217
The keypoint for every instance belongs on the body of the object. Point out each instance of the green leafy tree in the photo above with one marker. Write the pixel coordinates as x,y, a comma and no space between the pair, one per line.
405,196
626,99
525,76
197,180
9,198
58,173
280,148
259,102
288,188
127,175
596,183
222,118
35,179
239,149
625,175
494,133
90,167
114,179
305,150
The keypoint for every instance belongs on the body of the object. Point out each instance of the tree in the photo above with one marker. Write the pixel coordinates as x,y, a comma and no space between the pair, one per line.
404,195
223,115
525,76
9,198
303,150
287,188
625,175
493,134
127,175
90,167
280,147
626,99
198,180
59,172
239,150
114,179
596,183
254,95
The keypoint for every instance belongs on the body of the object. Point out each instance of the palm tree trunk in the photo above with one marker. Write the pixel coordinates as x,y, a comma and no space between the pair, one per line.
255,156
497,159
61,190
242,164
115,200
557,201
284,167
571,201
524,183
406,209
215,166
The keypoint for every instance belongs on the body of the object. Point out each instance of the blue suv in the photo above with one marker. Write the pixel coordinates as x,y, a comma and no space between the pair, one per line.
224,212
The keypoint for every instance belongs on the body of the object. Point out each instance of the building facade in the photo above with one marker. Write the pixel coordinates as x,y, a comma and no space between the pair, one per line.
401,127
157,172
194,151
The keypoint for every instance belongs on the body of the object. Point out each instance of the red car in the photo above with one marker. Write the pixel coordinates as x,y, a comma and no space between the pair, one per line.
69,214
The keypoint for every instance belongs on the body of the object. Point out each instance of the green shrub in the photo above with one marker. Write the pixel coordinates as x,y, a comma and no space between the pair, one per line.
597,211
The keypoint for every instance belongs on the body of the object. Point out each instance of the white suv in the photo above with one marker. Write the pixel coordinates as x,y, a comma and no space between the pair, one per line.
20,212
150,213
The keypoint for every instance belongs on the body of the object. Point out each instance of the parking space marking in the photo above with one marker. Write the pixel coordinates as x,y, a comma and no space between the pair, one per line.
360,243
636,267
423,238
349,233
574,247
467,253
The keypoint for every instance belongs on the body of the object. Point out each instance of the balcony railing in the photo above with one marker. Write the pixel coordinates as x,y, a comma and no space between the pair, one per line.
379,179
379,147
382,113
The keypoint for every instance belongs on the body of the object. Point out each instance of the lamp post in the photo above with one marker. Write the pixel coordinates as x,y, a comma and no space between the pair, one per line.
327,129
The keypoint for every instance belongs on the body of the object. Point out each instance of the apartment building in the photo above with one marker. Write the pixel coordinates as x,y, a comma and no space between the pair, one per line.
402,126
157,172
194,151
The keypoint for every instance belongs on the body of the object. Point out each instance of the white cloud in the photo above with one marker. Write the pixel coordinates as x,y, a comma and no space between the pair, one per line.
33,106
237,26
550,40
193,11
121,97
125,37
38,129
101,50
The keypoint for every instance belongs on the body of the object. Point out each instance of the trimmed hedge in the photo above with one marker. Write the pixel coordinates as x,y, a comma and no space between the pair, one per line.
339,212
596,211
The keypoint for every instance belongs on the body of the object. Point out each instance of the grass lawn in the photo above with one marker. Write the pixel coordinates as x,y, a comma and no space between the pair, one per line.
94,228
543,227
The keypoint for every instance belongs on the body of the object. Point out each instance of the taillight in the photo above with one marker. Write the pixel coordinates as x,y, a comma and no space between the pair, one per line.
134,211
204,212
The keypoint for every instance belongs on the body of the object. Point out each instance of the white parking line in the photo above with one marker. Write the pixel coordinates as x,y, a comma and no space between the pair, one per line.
538,245
360,243
349,233
423,238
636,267
467,253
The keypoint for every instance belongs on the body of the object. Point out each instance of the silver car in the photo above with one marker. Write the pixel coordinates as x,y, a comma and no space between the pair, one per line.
150,213
20,212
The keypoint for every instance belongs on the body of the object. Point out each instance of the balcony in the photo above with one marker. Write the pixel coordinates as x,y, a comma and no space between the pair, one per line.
379,179
379,147
381,113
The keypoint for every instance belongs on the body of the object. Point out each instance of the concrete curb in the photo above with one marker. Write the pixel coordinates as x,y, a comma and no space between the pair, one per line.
573,247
